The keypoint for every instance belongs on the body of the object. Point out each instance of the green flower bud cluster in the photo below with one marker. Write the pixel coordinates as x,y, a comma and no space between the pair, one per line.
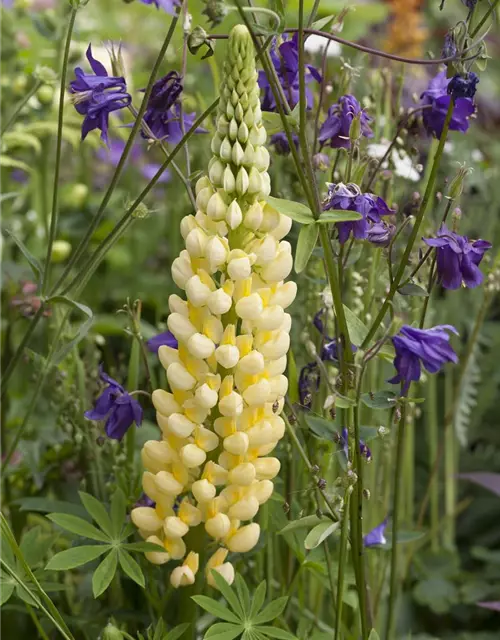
240,161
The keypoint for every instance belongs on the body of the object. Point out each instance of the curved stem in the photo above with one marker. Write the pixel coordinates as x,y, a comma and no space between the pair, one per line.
361,47
19,106
395,524
415,231
60,122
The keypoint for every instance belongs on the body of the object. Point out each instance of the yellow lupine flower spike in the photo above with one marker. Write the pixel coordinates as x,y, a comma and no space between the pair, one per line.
220,419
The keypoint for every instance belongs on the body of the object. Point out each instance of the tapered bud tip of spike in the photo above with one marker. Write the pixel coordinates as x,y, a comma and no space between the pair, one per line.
240,34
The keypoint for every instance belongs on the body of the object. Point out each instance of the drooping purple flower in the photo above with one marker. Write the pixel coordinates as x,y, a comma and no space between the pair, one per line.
96,96
430,347
169,6
167,338
335,129
321,162
163,113
117,407
344,443
308,383
437,101
463,86
286,62
376,536
458,258
280,142
380,233
350,198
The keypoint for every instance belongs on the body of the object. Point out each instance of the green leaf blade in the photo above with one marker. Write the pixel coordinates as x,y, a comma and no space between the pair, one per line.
78,526
75,557
104,573
308,237
294,210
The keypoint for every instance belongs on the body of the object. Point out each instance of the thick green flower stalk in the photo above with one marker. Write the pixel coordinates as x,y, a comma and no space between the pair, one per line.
221,419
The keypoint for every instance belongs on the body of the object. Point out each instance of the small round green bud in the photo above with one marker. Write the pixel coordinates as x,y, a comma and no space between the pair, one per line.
45,75
60,251
457,184
112,633
78,194
45,95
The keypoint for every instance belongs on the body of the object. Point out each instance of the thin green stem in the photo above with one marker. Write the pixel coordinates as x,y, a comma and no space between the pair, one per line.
305,458
19,351
395,526
42,377
19,107
36,622
127,218
121,163
60,124
414,232
342,563
483,20
432,444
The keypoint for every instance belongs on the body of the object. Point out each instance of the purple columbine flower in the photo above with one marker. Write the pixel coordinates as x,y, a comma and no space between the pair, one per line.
344,443
96,96
286,63
349,198
335,129
463,86
117,407
458,258
380,233
376,536
167,338
436,98
169,6
163,113
330,348
280,142
430,347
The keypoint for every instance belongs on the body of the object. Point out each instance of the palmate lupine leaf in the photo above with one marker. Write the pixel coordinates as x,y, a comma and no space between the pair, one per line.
113,532
247,618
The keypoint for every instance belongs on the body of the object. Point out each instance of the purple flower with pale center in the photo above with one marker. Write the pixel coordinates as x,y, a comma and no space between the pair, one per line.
167,338
280,142
163,113
169,6
458,258
414,347
349,198
437,101
335,129
117,407
380,233
376,536
96,96
344,443
463,86
286,63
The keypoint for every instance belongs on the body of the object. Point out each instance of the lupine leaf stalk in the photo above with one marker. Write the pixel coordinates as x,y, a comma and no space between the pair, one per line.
220,420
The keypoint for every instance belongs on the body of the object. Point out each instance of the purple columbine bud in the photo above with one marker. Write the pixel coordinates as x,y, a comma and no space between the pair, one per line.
463,86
